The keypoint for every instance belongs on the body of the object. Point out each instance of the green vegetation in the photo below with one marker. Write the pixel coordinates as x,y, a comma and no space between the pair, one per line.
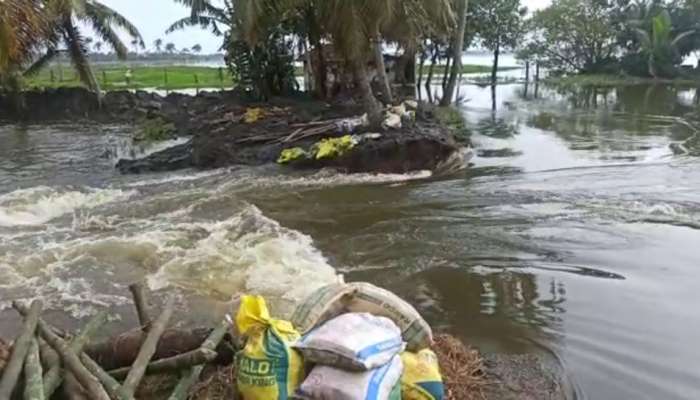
643,38
114,77
613,80
451,117
155,130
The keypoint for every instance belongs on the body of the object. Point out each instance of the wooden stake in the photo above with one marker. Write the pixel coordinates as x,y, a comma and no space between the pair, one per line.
178,362
148,348
182,389
33,385
19,351
137,292
69,357
53,378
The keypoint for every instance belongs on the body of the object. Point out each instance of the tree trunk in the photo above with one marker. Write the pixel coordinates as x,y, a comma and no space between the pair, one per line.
457,48
537,71
446,71
527,71
381,69
320,76
372,107
431,70
421,67
494,70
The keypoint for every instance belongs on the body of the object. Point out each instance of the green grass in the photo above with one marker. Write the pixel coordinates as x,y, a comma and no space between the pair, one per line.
603,80
467,69
113,77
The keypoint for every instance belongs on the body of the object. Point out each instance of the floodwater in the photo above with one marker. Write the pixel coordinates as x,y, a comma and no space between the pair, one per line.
573,235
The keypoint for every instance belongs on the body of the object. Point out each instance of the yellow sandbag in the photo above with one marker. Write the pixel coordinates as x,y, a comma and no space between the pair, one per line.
253,115
421,379
268,368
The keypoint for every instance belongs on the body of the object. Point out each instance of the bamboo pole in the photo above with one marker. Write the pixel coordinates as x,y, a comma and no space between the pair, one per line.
53,378
72,389
33,385
111,385
137,292
49,357
19,351
69,357
178,362
148,349
182,389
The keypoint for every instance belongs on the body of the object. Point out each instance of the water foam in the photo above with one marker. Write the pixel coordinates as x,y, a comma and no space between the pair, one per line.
38,205
126,148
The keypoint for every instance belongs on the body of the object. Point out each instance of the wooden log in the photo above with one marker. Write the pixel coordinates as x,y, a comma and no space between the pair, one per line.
141,304
72,389
53,378
33,384
182,389
148,349
121,350
13,368
111,385
175,363
49,357
70,358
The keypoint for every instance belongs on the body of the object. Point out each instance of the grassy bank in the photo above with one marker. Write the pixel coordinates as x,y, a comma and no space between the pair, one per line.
114,76
468,69
602,80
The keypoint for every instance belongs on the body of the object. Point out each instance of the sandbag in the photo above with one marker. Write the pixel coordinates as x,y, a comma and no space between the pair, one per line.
328,383
421,379
354,341
332,300
267,367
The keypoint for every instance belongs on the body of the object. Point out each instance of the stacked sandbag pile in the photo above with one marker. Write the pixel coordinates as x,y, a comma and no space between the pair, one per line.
357,341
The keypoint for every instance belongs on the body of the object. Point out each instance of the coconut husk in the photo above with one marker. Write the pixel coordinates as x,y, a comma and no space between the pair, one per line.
461,367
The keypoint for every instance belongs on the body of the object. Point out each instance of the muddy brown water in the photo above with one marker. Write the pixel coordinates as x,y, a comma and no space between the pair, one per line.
575,233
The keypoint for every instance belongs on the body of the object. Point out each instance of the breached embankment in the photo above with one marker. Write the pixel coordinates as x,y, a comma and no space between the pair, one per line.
221,135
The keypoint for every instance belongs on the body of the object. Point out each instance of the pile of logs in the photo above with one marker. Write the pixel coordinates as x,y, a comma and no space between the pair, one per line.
48,358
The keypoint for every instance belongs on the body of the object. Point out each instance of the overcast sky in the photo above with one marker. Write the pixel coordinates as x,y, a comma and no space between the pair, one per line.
153,17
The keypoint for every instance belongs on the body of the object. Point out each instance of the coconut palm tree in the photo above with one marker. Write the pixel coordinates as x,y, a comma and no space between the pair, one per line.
170,48
197,48
98,46
356,29
23,26
206,15
660,45
158,44
457,49
67,17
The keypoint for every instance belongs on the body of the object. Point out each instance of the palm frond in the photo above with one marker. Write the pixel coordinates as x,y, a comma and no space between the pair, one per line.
75,43
39,64
99,14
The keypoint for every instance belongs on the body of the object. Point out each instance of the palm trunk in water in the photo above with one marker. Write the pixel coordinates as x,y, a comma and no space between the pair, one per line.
457,45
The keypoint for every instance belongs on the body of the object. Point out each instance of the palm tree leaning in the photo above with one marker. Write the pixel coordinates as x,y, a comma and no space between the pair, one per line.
64,30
